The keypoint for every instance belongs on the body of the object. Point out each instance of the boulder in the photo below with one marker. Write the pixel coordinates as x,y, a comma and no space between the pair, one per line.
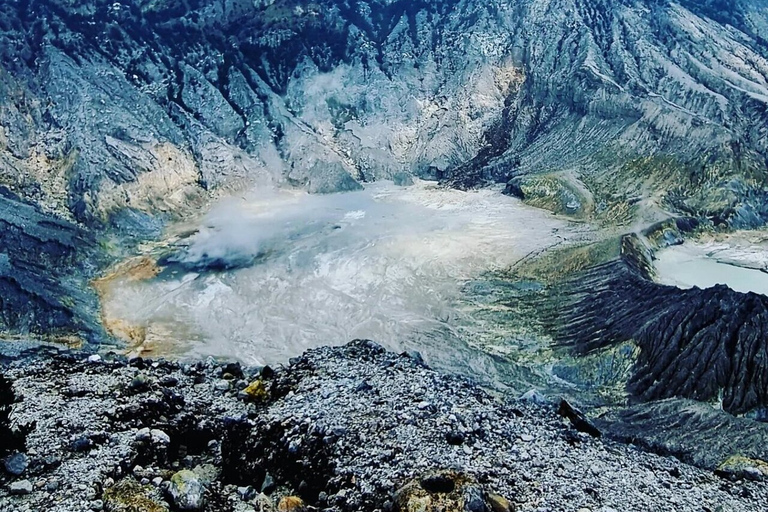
291,504
128,496
737,467
16,464
20,487
186,490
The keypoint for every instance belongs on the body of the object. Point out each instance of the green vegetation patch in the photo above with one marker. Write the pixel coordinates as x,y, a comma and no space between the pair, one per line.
555,192
556,264
128,496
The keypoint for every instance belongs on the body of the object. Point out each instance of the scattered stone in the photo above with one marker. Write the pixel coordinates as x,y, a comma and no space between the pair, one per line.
169,381
534,397
291,504
499,503
143,435
140,383
474,500
246,493
262,503
95,358
256,391
737,467
233,369
16,464
207,473
81,444
578,419
20,487
268,486
159,437
363,386
128,496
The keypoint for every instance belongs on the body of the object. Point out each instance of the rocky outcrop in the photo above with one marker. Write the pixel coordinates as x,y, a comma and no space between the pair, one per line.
707,345
352,428
635,88
680,427
455,89
44,264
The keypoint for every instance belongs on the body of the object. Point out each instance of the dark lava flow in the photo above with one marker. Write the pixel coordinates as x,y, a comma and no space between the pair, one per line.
705,344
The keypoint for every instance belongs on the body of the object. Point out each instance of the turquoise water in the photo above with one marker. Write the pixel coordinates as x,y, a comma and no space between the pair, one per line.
686,266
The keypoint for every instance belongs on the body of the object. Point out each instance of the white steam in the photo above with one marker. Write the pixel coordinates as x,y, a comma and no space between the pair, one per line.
385,263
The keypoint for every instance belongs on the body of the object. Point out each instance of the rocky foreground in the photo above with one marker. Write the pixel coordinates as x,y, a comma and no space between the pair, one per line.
338,429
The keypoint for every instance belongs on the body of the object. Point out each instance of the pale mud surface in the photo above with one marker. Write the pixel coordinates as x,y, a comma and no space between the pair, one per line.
387,263
738,260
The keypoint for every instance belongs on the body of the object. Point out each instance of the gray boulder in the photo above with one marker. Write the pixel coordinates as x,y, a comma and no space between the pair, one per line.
16,464
186,491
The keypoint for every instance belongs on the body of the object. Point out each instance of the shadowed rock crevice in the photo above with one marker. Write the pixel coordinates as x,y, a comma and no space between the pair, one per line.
12,437
707,345
293,453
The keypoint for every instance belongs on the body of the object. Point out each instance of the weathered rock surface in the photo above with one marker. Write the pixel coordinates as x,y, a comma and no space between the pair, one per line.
321,440
123,116
44,267
707,345
16,464
680,427
186,490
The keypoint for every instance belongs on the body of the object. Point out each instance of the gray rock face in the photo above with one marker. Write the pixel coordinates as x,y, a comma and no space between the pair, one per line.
706,345
44,262
120,116
20,488
680,426
327,178
465,90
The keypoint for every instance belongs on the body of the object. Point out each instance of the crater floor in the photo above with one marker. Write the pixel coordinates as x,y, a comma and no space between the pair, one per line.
264,277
